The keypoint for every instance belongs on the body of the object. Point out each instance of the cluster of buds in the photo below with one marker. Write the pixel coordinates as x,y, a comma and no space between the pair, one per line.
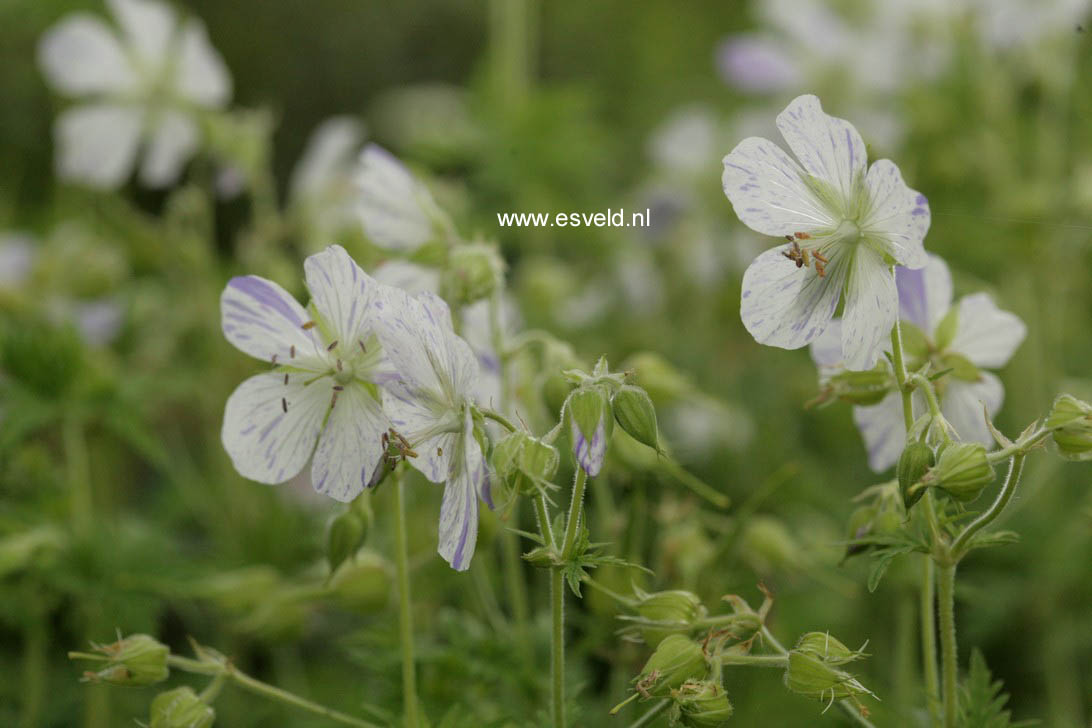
599,400
525,464
667,612
677,660
1070,422
700,704
815,669
959,469
474,271
858,388
134,660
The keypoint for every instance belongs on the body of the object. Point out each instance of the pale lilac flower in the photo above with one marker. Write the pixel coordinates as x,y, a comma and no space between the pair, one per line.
141,87
322,191
396,209
321,397
430,405
861,220
967,338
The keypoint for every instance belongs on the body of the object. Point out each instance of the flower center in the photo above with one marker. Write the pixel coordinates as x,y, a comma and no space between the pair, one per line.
847,232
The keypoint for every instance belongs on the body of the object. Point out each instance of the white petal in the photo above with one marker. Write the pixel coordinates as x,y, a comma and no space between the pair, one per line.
925,294
754,62
782,305
171,145
350,446
265,442
458,532
985,334
148,27
81,55
328,155
202,77
767,190
826,349
410,277
396,209
962,406
97,144
343,294
898,217
872,303
261,319
828,147
883,430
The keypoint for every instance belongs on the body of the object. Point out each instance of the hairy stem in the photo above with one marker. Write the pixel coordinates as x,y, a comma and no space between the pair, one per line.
959,546
405,616
557,646
949,663
572,525
900,373
929,639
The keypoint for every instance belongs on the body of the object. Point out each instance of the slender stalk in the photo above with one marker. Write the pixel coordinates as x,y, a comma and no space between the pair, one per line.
929,639
651,714
1016,467
79,476
1020,447
573,523
900,373
755,660
253,685
35,666
855,715
557,646
542,511
949,663
405,616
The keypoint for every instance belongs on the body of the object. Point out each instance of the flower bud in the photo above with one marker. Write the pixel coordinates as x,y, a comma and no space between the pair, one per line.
474,272
676,660
525,463
673,611
768,545
363,584
861,388
634,412
914,462
589,414
827,648
702,704
181,708
811,676
138,659
1071,422
861,524
344,536
962,471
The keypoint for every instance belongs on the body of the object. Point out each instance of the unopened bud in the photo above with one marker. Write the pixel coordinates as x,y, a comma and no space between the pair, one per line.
138,659
181,708
861,388
589,413
769,544
827,648
811,676
673,612
861,524
914,463
1071,422
962,471
702,704
676,660
363,584
474,272
344,536
524,462
634,412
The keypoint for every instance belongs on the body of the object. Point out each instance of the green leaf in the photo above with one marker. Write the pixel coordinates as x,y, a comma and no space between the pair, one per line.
883,559
981,702
986,539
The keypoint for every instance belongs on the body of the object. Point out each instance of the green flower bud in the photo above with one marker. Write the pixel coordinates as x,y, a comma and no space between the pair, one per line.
914,462
702,704
862,388
344,536
769,545
181,708
138,659
861,524
676,660
811,676
827,648
673,611
634,412
589,412
474,272
525,463
363,584
962,471
1071,422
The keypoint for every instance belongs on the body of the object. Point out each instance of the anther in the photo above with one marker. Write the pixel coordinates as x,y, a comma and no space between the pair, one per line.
308,325
339,365
286,379
332,345
333,400
284,405
439,452
802,236
292,352
274,360
338,387
819,256
362,347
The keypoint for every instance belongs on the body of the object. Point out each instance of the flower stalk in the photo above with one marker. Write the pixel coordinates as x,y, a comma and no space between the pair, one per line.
405,615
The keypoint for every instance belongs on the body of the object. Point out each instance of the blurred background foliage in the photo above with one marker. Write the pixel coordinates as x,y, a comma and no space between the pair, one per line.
120,510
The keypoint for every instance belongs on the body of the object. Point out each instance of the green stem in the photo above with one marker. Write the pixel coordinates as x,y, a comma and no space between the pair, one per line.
498,418
573,523
929,639
855,714
949,663
545,529
755,660
1020,447
405,616
246,682
651,714
557,651
959,546
79,476
900,373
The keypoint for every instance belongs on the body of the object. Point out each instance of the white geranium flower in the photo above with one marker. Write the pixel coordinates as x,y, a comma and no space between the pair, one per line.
847,223
964,339
322,192
142,87
396,209
321,397
430,405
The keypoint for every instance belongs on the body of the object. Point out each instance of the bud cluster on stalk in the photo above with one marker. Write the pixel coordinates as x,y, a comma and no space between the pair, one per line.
1070,423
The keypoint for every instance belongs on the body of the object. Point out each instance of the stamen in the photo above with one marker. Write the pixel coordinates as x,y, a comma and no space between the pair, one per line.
362,347
819,256
332,345
284,405
308,325
292,352
439,452
338,387
802,236
274,360
339,365
333,400
789,238
286,379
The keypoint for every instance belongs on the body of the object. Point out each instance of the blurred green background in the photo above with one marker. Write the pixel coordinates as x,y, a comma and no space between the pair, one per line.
528,107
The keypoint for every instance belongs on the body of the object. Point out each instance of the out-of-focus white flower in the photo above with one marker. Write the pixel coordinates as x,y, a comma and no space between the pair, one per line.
1007,24
140,87
16,259
964,340
686,141
321,396
852,221
430,403
396,209
322,191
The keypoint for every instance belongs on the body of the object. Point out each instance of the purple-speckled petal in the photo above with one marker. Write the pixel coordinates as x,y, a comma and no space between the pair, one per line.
458,531
925,294
270,428
871,308
590,454
261,319
828,147
350,446
767,190
788,307
342,292
898,217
